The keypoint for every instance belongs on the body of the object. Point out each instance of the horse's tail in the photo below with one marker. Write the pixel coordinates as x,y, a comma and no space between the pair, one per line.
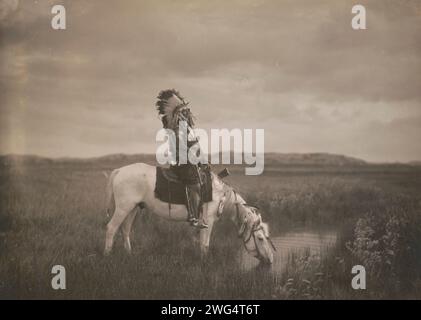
109,200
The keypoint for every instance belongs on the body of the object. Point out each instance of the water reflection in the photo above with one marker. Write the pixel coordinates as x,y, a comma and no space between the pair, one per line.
299,242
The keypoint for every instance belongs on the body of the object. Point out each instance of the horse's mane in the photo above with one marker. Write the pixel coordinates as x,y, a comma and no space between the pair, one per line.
233,190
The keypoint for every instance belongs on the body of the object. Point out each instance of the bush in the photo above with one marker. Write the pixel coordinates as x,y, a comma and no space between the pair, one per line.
387,245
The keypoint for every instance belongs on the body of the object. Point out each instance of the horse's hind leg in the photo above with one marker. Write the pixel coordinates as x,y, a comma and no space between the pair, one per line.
112,227
126,227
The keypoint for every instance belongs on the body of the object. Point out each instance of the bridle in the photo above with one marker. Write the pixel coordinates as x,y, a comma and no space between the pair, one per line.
256,227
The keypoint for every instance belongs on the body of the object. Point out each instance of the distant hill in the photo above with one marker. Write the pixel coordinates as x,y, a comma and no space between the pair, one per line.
311,159
113,160
14,159
317,159
271,159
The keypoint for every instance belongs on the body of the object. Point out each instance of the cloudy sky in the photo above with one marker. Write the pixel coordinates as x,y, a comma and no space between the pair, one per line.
294,68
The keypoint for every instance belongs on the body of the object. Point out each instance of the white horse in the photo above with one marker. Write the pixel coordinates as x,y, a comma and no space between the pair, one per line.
132,186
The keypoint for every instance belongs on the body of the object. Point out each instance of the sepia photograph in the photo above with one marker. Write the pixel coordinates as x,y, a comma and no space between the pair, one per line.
191,150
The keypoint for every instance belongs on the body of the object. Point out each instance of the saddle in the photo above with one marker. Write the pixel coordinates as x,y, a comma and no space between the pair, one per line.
169,188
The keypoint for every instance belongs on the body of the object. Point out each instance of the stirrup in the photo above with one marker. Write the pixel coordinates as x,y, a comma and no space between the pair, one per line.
203,225
200,225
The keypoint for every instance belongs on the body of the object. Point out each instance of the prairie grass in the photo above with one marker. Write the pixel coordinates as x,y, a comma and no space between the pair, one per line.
55,215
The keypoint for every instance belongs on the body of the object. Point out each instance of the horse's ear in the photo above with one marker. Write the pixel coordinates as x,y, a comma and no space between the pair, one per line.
224,173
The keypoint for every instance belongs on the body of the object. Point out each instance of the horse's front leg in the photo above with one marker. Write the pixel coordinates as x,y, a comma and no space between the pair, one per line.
205,234
204,242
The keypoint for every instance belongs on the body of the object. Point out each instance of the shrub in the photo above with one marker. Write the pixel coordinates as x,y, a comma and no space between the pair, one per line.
386,244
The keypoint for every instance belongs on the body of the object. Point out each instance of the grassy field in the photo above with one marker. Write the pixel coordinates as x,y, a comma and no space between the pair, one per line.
54,214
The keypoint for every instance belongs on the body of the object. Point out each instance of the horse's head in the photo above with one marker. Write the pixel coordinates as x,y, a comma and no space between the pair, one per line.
255,234
252,230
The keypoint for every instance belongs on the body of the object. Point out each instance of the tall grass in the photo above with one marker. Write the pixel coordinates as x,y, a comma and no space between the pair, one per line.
54,215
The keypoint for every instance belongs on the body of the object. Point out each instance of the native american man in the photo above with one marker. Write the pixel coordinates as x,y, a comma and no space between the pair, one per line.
174,111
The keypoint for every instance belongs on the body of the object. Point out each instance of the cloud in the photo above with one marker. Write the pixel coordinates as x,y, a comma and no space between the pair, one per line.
7,7
296,69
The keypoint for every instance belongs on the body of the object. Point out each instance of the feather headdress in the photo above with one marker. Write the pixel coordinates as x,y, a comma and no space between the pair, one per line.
172,108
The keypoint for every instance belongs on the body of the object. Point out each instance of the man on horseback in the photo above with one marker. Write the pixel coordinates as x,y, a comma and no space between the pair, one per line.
175,114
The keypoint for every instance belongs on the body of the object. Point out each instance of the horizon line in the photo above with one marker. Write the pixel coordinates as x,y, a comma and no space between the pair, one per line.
151,154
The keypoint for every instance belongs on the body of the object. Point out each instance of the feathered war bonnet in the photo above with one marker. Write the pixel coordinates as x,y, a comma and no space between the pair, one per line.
172,107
